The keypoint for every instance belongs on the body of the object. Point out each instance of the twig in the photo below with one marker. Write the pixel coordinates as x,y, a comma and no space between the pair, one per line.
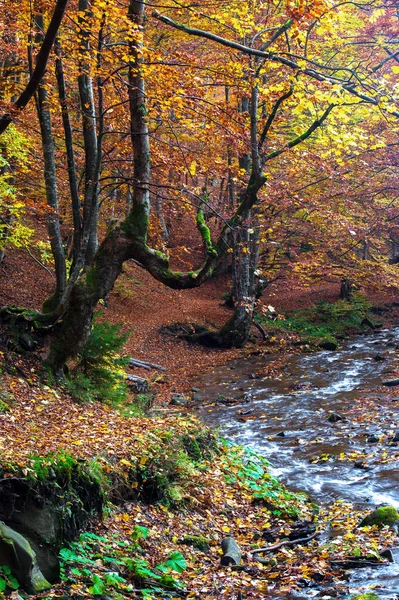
285,543
40,263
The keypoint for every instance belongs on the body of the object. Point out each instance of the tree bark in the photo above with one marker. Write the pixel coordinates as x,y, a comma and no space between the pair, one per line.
50,177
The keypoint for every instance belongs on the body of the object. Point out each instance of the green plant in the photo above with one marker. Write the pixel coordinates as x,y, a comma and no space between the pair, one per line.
168,467
249,468
141,404
7,579
110,564
323,322
99,373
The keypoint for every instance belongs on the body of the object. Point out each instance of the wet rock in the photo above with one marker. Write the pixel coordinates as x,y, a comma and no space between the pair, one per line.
318,577
385,515
197,398
372,439
328,345
387,553
195,389
396,437
179,400
280,434
391,382
379,358
18,555
334,417
360,464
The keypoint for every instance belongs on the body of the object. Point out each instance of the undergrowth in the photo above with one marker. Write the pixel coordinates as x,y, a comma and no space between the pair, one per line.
248,468
123,567
322,322
99,373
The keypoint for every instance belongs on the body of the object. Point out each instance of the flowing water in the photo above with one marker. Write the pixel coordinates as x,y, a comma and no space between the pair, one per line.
284,415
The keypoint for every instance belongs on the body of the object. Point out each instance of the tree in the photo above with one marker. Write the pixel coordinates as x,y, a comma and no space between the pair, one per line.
286,82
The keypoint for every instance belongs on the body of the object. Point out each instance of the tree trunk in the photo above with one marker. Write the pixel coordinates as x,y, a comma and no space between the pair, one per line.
50,176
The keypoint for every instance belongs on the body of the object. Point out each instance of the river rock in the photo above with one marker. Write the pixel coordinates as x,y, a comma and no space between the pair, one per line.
17,553
385,515
391,382
179,400
372,439
396,437
387,553
328,345
334,417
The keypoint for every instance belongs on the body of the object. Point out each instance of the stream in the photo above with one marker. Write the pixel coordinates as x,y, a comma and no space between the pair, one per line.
284,415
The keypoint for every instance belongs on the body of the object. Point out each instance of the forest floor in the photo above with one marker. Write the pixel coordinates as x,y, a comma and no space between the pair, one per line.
143,306
217,492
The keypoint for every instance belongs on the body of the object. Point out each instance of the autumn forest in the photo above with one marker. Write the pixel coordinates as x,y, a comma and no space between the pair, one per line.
199,299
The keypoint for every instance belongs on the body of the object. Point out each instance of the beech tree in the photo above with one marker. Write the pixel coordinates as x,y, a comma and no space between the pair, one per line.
135,95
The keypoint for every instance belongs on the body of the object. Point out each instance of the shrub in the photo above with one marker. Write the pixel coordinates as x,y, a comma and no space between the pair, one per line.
99,373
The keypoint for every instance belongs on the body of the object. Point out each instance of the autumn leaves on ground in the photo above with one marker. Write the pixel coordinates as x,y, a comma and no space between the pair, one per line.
171,492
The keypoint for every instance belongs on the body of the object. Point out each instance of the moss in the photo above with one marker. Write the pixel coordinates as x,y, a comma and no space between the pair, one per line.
385,515
199,542
205,233
50,304
136,224
367,596
172,275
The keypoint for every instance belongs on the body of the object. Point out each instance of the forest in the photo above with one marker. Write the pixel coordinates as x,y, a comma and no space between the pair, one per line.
199,299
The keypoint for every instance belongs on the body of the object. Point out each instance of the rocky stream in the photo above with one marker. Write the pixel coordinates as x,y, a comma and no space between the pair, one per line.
327,424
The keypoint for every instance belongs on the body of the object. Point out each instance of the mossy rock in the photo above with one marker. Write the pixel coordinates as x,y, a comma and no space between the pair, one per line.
385,515
368,596
199,542
18,555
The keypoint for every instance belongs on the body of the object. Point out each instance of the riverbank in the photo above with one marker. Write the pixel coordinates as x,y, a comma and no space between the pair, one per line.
177,493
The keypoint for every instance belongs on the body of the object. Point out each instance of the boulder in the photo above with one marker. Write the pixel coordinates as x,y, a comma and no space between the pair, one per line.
385,515
334,417
18,555
328,345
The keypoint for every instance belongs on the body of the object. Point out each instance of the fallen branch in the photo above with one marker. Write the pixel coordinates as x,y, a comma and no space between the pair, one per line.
139,383
358,563
134,362
285,543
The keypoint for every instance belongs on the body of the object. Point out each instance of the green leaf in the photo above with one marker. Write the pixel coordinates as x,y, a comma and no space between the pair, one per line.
176,562
3,584
13,582
98,586
139,532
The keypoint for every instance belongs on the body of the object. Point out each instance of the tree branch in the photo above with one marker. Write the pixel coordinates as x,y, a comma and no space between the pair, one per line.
272,116
303,136
41,63
345,84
